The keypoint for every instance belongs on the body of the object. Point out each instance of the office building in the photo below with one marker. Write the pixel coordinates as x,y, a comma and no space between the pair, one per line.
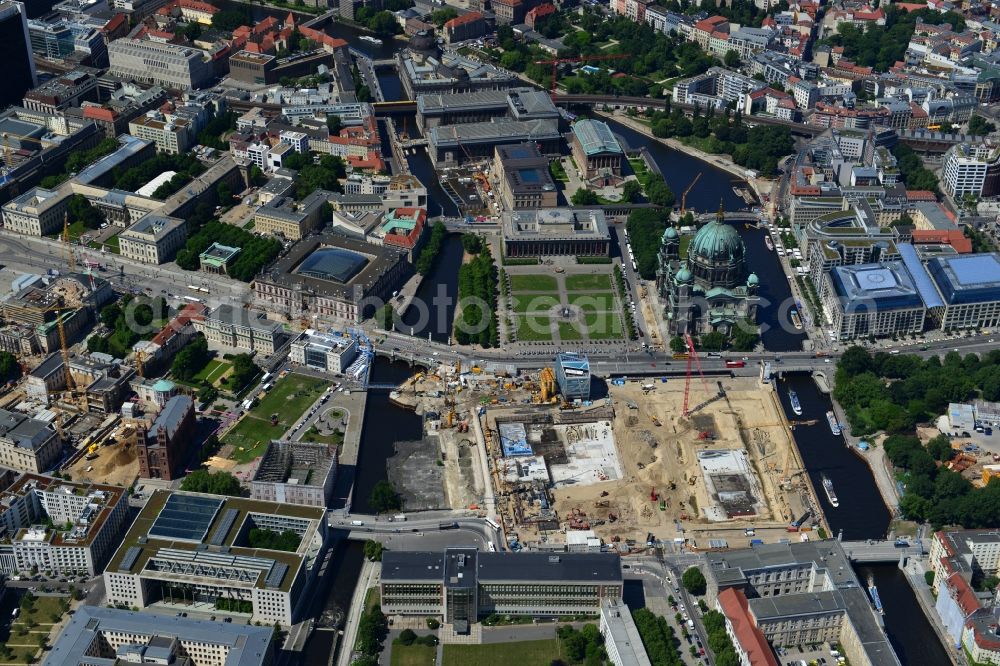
622,641
16,53
972,169
255,68
452,145
239,328
326,352
167,65
555,232
154,239
163,449
26,444
61,92
171,134
969,288
597,152
435,109
462,585
37,212
795,594
332,276
573,375
867,300
300,473
523,177
289,218
87,520
190,547
402,229
98,636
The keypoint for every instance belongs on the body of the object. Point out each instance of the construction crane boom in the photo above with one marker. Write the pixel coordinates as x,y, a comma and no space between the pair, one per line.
555,62
685,195
692,356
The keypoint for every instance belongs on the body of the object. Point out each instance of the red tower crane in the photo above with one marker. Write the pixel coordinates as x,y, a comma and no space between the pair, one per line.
692,356
559,61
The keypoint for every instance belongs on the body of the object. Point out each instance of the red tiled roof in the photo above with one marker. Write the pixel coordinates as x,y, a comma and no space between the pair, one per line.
116,22
952,237
751,639
471,17
923,195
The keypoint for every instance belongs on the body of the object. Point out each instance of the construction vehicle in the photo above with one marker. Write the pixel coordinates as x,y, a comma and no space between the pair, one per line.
547,384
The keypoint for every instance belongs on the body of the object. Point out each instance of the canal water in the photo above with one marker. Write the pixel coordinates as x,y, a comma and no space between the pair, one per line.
861,515
433,309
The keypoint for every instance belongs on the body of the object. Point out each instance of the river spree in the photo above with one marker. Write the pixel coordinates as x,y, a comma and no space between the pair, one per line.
862,514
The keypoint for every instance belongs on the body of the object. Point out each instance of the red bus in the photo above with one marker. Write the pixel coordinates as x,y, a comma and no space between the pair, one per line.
735,364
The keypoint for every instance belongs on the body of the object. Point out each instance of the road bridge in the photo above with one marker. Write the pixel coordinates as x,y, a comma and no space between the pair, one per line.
871,551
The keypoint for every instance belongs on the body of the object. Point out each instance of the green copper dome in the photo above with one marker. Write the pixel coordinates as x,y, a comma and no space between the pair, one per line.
716,242
669,233
684,275
753,280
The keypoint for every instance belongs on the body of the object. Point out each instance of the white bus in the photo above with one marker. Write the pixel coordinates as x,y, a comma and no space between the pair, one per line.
192,299
492,523
202,290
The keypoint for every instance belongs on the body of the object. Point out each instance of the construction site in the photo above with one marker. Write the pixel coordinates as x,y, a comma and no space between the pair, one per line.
710,463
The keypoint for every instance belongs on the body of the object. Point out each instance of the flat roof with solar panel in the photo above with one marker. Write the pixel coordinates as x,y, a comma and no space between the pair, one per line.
191,538
185,518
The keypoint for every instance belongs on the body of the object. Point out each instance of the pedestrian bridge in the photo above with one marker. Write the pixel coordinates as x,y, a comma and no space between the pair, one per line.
868,552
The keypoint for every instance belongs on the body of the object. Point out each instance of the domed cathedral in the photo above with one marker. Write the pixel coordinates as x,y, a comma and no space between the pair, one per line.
710,290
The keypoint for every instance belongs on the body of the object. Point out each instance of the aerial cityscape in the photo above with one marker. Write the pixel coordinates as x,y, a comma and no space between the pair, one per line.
500,332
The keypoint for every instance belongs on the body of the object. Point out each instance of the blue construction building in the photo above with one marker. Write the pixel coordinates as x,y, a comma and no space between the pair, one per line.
573,376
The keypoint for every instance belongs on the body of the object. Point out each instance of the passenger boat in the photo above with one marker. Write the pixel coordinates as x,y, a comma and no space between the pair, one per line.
873,593
793,398
769,243
830,493
371,40
796,319
831,418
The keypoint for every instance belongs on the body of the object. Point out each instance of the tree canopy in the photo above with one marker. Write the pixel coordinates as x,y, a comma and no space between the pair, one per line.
694,581
645,229
286,540
219,483
384,498
191,359
256,252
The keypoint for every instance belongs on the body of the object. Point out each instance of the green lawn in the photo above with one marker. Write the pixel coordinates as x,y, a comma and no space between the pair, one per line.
534,303
532,282
412,655
23,641
602,325
568,331
537,330
212,372
588,282
289,399
523,653
598,302
683,248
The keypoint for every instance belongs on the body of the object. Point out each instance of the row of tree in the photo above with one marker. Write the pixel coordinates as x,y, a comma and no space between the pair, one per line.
658,638
256,252
477,296
428,254
718,640
645,229
372,629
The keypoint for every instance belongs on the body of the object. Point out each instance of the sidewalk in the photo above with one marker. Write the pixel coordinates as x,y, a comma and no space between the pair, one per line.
366,579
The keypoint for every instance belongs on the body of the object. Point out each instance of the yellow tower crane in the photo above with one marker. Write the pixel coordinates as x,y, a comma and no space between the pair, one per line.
685,195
